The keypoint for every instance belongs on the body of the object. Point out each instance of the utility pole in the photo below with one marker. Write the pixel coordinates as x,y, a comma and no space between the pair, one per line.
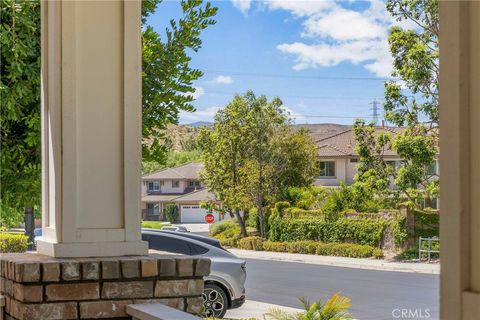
375,111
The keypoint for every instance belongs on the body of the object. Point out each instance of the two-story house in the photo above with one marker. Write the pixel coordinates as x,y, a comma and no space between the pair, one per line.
338,159
179,185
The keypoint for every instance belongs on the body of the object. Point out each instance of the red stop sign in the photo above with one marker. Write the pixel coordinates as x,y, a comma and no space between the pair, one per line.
209,218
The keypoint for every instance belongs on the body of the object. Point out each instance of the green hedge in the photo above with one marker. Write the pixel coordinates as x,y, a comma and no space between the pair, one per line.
426,224
251,243
325,249
348,250
297,213
13,242
359,231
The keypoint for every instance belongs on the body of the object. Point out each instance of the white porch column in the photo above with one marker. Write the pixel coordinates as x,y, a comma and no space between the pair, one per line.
460,159
91,128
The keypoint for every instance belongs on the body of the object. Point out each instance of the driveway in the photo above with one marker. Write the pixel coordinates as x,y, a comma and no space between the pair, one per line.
197,228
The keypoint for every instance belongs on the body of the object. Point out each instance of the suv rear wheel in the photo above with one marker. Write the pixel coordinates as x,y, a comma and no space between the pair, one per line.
214,300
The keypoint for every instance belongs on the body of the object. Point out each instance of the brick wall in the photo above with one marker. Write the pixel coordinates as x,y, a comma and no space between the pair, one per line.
40,287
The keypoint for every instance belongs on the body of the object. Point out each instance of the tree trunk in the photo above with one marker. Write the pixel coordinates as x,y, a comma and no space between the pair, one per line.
29,220
260,221
241,222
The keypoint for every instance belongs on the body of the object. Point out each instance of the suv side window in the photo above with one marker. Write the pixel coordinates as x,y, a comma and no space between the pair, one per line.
159,242
174,245
197,249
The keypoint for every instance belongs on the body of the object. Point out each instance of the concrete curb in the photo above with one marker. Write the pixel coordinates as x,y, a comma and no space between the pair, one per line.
356,263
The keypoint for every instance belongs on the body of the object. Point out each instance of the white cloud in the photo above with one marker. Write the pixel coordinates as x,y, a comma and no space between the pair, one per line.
343,25
199,115
221,79
334,34
299,8
199,91
242,5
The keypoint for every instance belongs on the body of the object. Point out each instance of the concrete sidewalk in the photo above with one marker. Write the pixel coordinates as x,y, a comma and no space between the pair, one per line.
369,264
255,309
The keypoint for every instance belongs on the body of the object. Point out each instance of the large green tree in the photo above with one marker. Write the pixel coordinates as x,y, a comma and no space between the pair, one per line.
167,89
19,108
251,154
411,103
168,77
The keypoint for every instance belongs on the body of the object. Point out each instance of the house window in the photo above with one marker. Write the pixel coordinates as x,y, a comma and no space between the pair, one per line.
175,184
354,160
154,186
327,168
194,183
431,170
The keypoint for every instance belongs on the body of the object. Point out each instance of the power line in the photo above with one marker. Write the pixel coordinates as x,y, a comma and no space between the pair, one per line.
334,116
300,97
279,75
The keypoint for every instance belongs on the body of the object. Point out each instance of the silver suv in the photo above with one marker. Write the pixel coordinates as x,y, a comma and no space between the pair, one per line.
224,288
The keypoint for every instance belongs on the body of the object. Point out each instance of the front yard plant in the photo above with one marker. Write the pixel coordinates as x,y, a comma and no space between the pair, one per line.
359,230
335,308
13,242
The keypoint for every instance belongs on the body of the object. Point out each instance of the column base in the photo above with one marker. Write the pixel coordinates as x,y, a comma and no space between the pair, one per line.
35,286
92,249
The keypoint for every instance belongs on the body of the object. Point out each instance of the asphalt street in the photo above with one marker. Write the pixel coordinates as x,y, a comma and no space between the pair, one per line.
375,295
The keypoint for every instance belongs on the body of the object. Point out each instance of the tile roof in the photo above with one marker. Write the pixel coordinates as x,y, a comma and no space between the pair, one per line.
159,197
197,196
343,143
186,171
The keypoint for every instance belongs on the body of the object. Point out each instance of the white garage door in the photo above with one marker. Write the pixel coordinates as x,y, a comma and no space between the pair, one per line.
192,214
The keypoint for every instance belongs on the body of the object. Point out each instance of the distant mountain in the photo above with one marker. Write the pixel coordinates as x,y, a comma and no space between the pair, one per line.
184,136
198,124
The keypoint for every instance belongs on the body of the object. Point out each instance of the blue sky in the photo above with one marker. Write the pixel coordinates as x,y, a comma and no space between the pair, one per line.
325,59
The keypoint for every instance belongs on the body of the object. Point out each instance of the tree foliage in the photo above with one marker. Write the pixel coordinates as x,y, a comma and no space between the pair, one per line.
19,108
252,154
167,74
411,103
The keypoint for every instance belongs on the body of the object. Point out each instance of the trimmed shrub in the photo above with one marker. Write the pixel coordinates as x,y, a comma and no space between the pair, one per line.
348,250
221,226
13,242
275,246
171,212
251,243
305,247
324,249
360,231
227,242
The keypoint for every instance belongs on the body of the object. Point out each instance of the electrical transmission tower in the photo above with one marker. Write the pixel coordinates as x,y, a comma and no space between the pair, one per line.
375,105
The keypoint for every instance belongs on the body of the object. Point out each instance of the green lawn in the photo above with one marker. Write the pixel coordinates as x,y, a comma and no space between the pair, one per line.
154,224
